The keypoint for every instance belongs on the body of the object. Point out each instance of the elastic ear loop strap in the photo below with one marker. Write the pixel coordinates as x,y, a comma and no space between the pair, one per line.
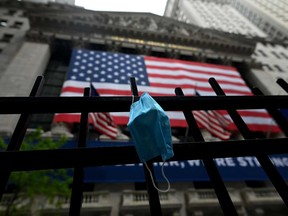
164,176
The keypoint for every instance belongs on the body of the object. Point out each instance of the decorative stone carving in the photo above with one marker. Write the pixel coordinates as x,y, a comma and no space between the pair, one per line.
81,23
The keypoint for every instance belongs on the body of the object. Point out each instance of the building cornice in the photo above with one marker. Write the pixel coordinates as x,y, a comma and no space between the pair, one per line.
137,29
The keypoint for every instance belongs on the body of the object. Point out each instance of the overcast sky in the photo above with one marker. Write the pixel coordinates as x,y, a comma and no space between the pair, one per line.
152,6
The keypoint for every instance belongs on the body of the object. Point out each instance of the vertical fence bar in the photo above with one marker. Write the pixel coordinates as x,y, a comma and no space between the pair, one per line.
77,186
223,196
263,159
276,114
19,133
282,123
154,201
283,84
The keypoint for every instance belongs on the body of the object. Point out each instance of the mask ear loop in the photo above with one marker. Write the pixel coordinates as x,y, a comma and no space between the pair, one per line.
132,99
164,176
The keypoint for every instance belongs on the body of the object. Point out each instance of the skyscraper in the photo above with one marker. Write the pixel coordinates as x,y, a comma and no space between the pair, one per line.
269,15
211,15
261,21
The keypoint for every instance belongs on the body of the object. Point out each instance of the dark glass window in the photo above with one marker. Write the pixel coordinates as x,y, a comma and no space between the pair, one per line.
11,12
54,77
6,38
17,25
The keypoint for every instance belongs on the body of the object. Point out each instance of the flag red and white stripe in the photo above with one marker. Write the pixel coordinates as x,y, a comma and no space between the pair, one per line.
104,124
102,121
209,120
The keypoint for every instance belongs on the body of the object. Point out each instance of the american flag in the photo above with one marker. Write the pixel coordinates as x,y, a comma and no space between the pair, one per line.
102,121
110,74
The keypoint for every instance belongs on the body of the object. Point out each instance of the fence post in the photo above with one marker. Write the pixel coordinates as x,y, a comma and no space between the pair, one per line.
19,133
223,196
154,201
77,187
263,159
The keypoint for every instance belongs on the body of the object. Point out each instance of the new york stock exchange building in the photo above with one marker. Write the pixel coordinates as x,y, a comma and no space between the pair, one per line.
72,49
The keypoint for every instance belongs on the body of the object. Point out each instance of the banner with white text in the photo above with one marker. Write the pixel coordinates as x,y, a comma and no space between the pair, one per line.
231,169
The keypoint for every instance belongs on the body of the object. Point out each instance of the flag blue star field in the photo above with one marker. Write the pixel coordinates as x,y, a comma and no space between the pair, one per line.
110,74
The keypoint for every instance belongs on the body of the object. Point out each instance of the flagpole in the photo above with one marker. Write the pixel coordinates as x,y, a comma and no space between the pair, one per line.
187,128
268,134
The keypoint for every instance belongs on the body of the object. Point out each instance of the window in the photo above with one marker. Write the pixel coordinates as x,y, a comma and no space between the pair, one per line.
11,12
280,35
266,25
276,55
262,53
267,67
272,31
284,55
6,38
278,68
54,77
255,54
3,23
17,25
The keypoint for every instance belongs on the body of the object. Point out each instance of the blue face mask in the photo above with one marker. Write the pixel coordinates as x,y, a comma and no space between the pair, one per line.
150,129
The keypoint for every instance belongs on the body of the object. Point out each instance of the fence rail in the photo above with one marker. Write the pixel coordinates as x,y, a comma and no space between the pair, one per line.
18,105
77,158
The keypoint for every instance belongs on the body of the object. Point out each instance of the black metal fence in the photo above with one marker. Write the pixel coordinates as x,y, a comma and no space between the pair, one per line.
78,158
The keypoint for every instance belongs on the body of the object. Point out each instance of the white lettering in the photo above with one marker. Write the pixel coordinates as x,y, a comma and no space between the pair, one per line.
174,163
278,162
248,161
129,164
194,162
252,161
242,162
161,164
156,163
285,161
220,162
182,165
230,162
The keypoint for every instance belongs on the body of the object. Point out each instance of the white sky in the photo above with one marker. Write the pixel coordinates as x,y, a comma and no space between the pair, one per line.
152,6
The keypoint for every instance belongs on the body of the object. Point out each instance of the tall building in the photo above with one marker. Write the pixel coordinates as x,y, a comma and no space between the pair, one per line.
211,15
273,57
270,16
261,21
13,27
42,44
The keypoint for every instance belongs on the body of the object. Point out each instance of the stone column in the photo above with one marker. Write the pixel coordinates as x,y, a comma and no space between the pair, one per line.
29,62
